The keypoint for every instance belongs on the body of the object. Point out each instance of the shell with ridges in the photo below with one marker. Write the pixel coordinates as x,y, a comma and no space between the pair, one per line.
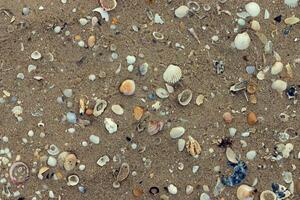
172,74
291,3
267,195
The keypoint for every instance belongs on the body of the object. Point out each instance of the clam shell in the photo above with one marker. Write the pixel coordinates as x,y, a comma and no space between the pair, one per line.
70,162
172,74
36,55
267,195
154,126
253,9
127,87
99,107
53,150
73,180
162,93
185,97
242,41
117,109
279,85
291,20
276,68
177,132
193,147
62,157
245,192
108,5
231,155
123,172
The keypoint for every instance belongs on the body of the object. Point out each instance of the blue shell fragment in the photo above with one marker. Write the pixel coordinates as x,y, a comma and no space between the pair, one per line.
239,174
281,191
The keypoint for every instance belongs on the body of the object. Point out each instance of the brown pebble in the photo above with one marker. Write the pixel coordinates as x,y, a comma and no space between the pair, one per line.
227,117
251,118
91,41
89,112
137,192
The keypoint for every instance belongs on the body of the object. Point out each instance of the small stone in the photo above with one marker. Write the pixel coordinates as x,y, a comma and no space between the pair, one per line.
52,162
177,132
158,19
68,92
25,11
130,60
17,110
181,11
81,167
232,131
57,29
110,125
20,76
91,41
103,160
51,194
255,25
117,109
71,130
115,56
172,189
92,77
251,118
81,43
130,68
195,169
189,189
205,188
251,155
204,196
245,134
71,117
227,117
94,139
181,144
83,21
250,69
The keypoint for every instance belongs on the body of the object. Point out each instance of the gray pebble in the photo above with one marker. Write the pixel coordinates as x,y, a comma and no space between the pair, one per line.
25,10
250,69
68,92
251,155
57,29
71,117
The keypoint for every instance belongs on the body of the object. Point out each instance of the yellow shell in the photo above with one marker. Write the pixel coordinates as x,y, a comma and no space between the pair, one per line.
91,41
292,20
127,87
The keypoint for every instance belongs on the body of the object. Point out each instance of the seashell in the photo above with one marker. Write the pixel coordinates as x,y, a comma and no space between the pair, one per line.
177,132
81,106
277,68
70,162
281,191
36,55
239,86
99,107
44,173
189,189
72,180
242,41
204,196
172,74
137,192
108,5
91,41
255,25
200,99
227,117
123,172
130,60
181,144
185,97
143,69
245,192
267,195
292,20
162,93
127,87
19,173
193,5
155,126
279,85
53,150
253,9
62,157
103,160
231,156
251,118
117,109
181,11
110,125
252,99
138,112
251,87
289,71
103,13
206,7
170,88
172,189
158,35
193,147
291,3
260,75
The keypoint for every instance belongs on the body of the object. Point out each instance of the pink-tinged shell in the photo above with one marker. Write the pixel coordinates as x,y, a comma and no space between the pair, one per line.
155,126
108,5
19,173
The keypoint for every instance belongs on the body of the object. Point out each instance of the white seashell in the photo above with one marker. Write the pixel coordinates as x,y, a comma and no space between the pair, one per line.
103,160
170,88
181,144
242,41
292,20
260,75
117,109
181,11
103,13
277,68
185,97
162,93
204,196
189,189
158,19
267,195
172,189
31,68
52,162
291,3
72,180
253,9
94,139
177,132
53,150
250,155
267,14
99,107
255,25
245,192
36,55
110,125
200,99
231,156
279,85
130,60
172,74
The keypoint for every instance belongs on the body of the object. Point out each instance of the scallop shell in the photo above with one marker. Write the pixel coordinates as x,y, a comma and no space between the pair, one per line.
185,97
193,147
123,172
99,107
245,192
127,87
267,195
36,55
73,180
162,93
291,3
53,150
291,20
231,155
172,74
70,162
108,5
154,126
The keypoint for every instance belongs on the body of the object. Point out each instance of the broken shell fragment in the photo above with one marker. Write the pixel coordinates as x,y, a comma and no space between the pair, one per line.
154,126
117,109
185,97
200,99
242,41
267,195
43,173
108,5
19,173
62,157
99,107
245,192
53,150
193,147
253,9
177,132
127,87
70,162
138,112
279,85
72,180
110,125
276,68
162,93
172,74
103,160
123,172
231,156
36,55
238,86
291,20
251,87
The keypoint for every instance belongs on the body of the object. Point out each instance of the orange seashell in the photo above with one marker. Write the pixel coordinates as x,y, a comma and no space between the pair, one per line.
251,118
137,192
77,37
114,20
127,87
138,112
227,117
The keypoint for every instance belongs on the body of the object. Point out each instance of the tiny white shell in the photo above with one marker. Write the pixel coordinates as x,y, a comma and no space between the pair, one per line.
103,160
177,132
172,74
162,93
279,85
267,194
242,41
245,192
276,68
185,97
72,180
231,156
36,55
117,109
253,9
291,3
